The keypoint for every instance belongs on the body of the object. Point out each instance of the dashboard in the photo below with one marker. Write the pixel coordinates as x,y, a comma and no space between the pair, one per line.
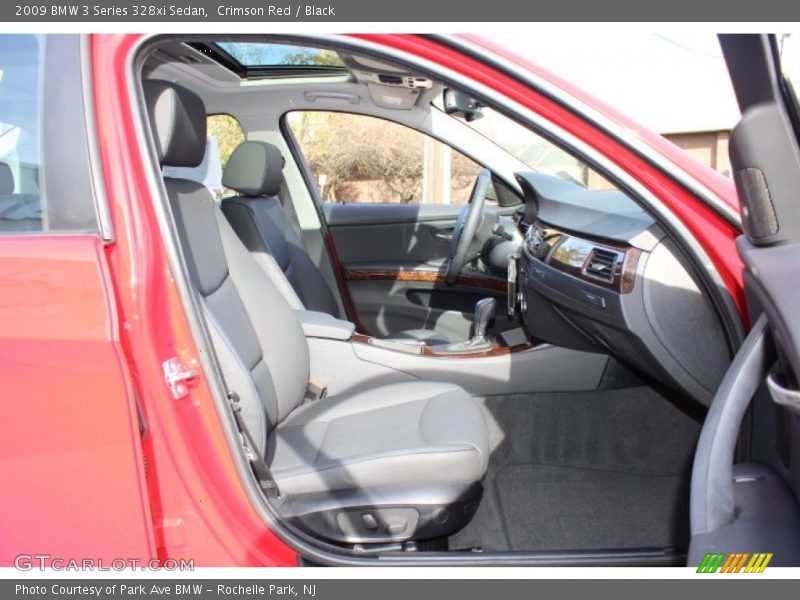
597,273
600,263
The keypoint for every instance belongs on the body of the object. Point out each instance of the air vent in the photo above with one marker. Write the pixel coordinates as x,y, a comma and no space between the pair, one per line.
601,264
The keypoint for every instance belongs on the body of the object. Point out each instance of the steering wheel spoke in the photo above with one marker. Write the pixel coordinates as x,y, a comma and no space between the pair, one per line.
467,226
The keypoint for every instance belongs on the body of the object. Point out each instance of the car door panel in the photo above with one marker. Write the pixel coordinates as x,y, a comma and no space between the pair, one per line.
393,258
69,439
753,506
343,214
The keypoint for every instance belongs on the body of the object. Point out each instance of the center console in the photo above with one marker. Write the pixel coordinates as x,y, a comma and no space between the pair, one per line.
343,360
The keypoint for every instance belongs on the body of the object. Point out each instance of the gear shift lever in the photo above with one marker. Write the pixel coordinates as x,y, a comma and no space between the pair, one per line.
484,313
485,310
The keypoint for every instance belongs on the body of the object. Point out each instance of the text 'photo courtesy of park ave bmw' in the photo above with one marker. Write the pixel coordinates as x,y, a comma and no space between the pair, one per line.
393,299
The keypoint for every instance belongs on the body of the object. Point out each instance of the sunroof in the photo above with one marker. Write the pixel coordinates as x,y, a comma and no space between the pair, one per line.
279,55
254,59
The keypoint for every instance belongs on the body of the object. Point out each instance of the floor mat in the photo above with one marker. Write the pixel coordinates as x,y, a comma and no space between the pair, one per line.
561,508
584,470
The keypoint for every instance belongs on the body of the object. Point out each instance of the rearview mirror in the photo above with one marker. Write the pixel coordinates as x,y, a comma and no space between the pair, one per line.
459,104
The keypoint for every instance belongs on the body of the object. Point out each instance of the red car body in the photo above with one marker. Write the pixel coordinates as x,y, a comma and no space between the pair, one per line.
85,326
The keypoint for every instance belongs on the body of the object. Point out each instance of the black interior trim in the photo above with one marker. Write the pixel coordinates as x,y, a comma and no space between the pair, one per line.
645,557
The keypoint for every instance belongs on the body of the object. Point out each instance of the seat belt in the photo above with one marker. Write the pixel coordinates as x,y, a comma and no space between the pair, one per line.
257,463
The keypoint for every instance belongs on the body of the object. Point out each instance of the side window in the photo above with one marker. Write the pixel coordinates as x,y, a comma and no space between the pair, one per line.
224,135
361,159
46,181
20,136
226,130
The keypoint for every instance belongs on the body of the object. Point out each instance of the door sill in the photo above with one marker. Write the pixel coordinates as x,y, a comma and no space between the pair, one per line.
634,557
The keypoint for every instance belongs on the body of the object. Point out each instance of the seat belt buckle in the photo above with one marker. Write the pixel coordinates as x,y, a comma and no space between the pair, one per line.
316,390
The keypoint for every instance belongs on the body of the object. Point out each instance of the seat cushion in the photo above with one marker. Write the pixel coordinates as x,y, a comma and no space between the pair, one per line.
403,434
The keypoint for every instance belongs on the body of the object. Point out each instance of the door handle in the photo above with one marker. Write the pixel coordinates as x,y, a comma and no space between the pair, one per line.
444,234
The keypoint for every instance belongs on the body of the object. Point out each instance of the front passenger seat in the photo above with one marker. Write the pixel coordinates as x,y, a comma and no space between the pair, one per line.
385,464
258,218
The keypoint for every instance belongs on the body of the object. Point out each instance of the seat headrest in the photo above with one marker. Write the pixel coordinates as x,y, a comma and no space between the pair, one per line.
254,169
178,122
6,179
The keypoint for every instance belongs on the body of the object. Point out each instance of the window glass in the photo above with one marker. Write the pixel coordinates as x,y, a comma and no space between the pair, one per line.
361,159
47,183
254,54
674,82
228,134
224,136
535,151
20,136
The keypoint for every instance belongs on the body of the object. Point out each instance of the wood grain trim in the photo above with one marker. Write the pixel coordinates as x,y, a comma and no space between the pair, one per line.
624,270
436,277
496,350
629,269
361,338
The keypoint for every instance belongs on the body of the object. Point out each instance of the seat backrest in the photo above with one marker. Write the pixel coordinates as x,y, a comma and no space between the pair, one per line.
258,218
256,334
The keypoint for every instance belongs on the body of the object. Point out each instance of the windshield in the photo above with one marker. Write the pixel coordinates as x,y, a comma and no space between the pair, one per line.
535,151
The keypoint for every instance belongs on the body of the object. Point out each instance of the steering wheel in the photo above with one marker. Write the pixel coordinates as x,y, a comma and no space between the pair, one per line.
467,226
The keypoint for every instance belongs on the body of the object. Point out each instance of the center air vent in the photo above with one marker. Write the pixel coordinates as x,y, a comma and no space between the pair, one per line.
601,264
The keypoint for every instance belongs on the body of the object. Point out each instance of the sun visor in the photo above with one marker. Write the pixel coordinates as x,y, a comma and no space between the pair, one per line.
396,98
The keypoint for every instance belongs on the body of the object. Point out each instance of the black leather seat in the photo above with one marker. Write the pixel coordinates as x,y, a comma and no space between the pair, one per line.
258,218
389,463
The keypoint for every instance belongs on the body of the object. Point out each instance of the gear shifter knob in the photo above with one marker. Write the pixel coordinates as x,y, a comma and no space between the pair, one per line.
479,342
484,312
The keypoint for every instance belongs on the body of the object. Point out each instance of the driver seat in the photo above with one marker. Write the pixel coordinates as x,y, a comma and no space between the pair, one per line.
258,217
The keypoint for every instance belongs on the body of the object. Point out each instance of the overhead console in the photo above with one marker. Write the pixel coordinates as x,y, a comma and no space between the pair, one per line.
596,273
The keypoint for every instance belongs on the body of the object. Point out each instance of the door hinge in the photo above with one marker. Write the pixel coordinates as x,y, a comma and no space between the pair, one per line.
177,377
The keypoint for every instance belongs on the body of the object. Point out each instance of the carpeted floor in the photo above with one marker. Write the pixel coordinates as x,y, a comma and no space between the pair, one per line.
584,470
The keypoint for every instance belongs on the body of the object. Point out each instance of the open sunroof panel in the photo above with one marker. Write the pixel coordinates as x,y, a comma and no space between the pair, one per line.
256,59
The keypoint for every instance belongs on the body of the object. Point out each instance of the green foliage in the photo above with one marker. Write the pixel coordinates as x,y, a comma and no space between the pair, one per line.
256,54
228,132
322,58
